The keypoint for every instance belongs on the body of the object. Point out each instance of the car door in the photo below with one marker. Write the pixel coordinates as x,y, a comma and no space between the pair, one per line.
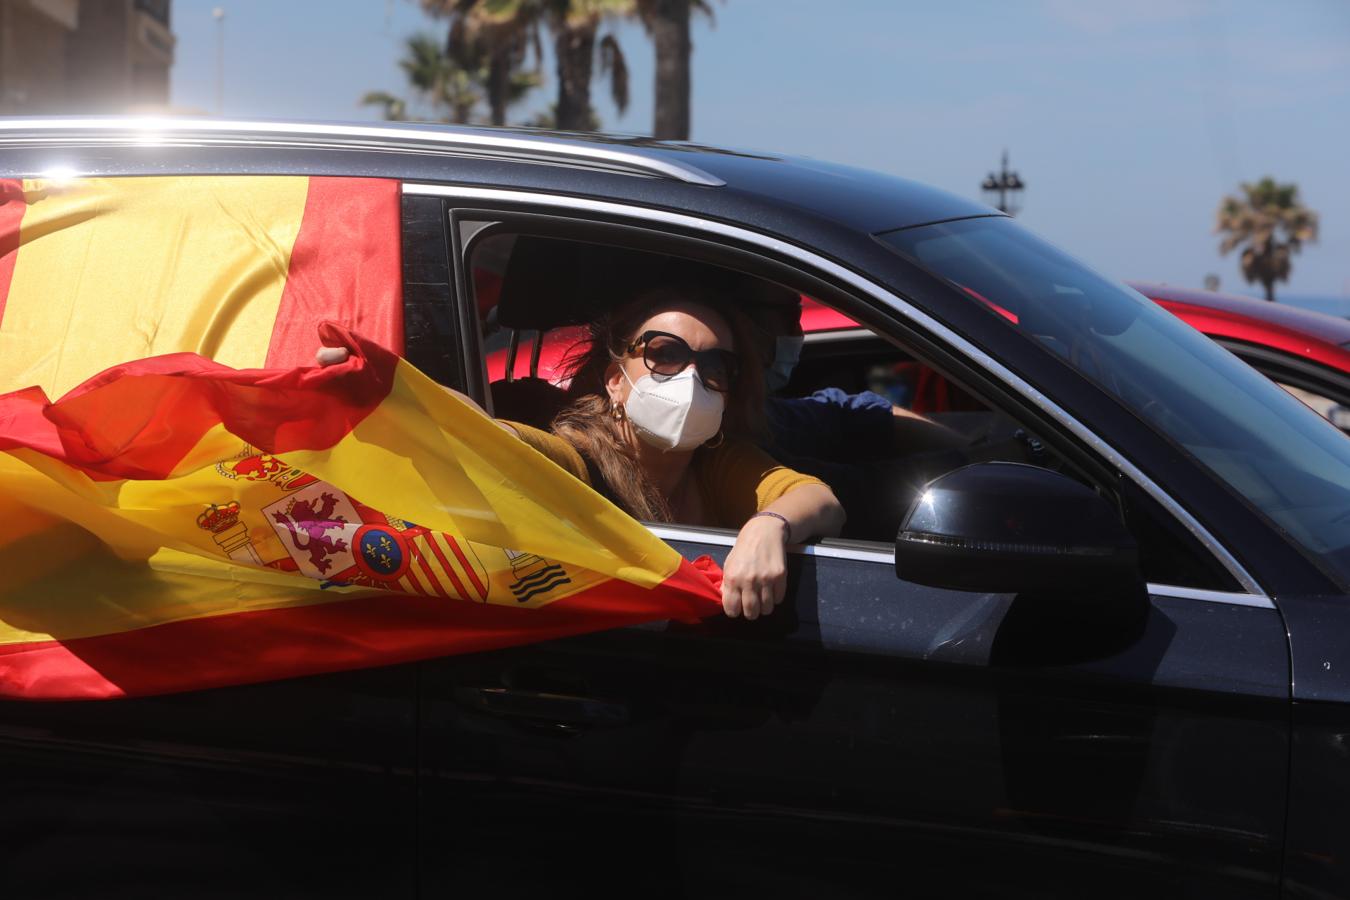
872,736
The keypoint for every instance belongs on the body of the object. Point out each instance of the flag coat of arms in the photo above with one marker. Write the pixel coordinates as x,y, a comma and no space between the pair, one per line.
176,520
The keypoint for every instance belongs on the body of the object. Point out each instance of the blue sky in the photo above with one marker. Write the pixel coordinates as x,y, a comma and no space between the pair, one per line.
1127,120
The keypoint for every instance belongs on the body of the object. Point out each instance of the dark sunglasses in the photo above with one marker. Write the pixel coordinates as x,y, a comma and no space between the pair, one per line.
668,355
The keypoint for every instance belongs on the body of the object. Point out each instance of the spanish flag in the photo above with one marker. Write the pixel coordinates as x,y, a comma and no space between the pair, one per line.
175,522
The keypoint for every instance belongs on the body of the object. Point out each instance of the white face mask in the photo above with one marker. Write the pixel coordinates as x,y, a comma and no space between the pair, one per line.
787,352
677,413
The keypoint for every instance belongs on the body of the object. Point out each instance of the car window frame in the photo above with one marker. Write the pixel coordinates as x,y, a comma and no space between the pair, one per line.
870,303
432,332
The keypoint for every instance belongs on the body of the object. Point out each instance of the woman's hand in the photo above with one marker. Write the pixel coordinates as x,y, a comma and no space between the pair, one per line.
754,577
331,356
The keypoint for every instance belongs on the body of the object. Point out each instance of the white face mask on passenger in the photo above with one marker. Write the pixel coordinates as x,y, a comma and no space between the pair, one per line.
676,413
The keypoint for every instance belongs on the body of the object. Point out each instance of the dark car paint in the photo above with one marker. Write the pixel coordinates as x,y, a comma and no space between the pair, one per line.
775,754
301,788
782,752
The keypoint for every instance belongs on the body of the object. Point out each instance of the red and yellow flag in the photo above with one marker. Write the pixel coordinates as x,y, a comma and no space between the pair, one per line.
174,523
95,272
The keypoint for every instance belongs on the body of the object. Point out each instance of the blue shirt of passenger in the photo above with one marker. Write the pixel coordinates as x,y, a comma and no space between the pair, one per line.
835,436
830,425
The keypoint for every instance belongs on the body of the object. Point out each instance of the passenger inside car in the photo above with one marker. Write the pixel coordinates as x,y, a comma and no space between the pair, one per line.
860,444
664,396
873,453
830,423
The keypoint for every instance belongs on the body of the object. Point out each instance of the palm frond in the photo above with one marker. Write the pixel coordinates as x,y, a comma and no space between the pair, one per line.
615,67
522,83
395,108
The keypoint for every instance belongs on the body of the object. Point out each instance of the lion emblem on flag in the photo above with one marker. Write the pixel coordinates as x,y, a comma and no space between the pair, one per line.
316,526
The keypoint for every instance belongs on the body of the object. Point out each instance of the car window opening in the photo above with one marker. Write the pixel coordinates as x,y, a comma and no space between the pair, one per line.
873,420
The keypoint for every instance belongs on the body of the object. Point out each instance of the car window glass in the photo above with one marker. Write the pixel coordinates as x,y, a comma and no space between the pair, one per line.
1254,436
843,415
1326,407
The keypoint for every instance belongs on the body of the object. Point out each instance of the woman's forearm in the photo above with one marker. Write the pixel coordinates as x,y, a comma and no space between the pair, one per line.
812,512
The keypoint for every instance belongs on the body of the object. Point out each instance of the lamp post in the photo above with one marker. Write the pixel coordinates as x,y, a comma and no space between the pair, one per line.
1003,186
219,15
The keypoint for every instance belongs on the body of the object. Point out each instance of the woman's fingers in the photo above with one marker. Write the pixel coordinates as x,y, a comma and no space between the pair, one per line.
731,598
773,588
740,598
744,597
766,603
331,356
754,598
751,605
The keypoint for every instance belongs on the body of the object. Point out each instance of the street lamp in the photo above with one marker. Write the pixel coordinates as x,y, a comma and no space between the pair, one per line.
219,15
999,188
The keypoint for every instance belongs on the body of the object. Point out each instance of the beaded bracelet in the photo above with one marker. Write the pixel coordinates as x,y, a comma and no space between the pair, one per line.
787,526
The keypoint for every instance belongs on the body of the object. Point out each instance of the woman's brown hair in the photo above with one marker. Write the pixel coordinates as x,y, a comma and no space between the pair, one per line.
588,422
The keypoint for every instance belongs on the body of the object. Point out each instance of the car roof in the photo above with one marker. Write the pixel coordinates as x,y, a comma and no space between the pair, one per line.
1315,335
860,199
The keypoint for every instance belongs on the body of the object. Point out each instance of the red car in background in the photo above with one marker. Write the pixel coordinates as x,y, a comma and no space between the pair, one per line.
1306,352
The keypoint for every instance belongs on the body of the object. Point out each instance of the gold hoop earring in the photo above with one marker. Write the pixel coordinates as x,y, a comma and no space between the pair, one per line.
616,410
720,438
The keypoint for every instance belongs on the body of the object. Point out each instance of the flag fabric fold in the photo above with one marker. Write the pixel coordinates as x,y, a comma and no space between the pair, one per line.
173,523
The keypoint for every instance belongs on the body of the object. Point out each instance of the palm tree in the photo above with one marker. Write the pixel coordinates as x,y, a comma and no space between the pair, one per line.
574,25
667,21
500,36
446,86
442,80
1271,225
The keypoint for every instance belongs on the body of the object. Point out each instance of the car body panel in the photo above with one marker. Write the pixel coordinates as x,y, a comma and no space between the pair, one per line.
286,789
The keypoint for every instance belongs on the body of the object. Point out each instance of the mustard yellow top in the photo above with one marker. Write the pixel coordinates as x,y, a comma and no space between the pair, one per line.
735,480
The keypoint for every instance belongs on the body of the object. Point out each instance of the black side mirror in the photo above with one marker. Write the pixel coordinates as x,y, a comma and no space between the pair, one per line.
1002,527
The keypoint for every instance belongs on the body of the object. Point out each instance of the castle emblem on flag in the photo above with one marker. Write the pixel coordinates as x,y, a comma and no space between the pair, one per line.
316,525
227,531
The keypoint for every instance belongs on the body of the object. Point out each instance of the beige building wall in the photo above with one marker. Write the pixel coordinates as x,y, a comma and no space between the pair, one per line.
84,56
33,54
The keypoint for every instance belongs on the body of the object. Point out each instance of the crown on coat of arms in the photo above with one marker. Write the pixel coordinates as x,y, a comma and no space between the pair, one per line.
217,518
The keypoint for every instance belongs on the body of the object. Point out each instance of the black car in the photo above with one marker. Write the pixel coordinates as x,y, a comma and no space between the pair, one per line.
1110,659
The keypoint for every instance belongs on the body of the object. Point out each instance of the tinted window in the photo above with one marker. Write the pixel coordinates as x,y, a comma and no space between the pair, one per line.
1289,463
